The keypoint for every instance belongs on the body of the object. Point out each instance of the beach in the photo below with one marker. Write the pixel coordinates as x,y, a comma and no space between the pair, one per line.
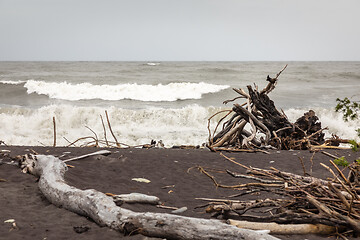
135,103
173,174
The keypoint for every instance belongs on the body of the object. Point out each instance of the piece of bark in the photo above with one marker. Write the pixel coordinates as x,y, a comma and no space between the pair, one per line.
103,210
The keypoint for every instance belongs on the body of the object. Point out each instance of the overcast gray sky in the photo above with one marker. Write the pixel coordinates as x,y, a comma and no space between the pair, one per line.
183,30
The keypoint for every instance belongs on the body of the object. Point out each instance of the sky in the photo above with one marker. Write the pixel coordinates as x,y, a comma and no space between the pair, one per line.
182,30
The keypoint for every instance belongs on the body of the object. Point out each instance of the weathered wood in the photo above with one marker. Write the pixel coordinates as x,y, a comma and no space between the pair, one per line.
136,198
263,117
103,210
101,152
226,137
246,115
282,229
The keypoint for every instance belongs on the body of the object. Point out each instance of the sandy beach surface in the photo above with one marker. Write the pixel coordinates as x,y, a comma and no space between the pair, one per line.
174,178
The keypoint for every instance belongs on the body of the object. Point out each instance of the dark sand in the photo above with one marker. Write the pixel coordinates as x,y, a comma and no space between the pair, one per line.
36,218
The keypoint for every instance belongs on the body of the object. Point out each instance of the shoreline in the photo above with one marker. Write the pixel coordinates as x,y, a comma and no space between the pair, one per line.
172,172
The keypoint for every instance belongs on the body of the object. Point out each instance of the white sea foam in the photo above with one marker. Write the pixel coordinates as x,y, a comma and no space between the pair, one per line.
134,91
188,125
25,126
12,82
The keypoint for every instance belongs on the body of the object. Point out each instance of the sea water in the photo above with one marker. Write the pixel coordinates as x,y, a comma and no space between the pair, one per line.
168,101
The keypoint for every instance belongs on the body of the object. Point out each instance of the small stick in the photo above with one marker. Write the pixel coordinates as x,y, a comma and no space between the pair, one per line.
341,182
54,131
80,140
236,175
329,155
96,137
340,173
230,111
312,162
167,207
102,121
202,170
303,166
112,133
343,199
211,137
219,200
317,132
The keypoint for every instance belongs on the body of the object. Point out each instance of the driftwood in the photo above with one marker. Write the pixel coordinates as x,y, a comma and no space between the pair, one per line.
304,200
101,152
287,229
135,198
269,126
102,209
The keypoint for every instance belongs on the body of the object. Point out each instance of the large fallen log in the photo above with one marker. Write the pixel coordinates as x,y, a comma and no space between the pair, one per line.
102,209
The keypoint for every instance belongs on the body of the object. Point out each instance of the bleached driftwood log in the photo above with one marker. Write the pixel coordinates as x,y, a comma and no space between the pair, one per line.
103,210
276,228
136,198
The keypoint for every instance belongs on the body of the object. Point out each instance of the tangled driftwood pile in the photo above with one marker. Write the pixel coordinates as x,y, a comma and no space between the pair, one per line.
288,203
269,126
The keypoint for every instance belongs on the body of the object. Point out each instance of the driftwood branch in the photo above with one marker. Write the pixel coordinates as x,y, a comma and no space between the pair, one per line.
54,132
112,133
287,229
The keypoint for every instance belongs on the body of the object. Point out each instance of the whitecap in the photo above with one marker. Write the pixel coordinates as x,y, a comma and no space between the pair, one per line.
133,91
11,82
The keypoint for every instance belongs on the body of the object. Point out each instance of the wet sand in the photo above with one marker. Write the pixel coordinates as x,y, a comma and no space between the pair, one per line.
174,178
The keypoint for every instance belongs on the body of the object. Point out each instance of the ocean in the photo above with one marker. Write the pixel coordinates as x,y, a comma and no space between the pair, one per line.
168,101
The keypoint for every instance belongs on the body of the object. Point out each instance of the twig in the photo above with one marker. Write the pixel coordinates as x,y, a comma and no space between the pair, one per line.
166,207
340,173
112,133
343,199
329,154
54,132
341,182
96,137
303,166
79,139
202,170
312,163
236,175
102,122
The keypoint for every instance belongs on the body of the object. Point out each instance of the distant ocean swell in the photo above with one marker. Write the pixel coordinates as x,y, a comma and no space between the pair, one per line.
133,91
187,125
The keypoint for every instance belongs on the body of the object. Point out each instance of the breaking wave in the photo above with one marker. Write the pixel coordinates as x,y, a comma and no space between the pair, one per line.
12,82
174,126
29,126
133,91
